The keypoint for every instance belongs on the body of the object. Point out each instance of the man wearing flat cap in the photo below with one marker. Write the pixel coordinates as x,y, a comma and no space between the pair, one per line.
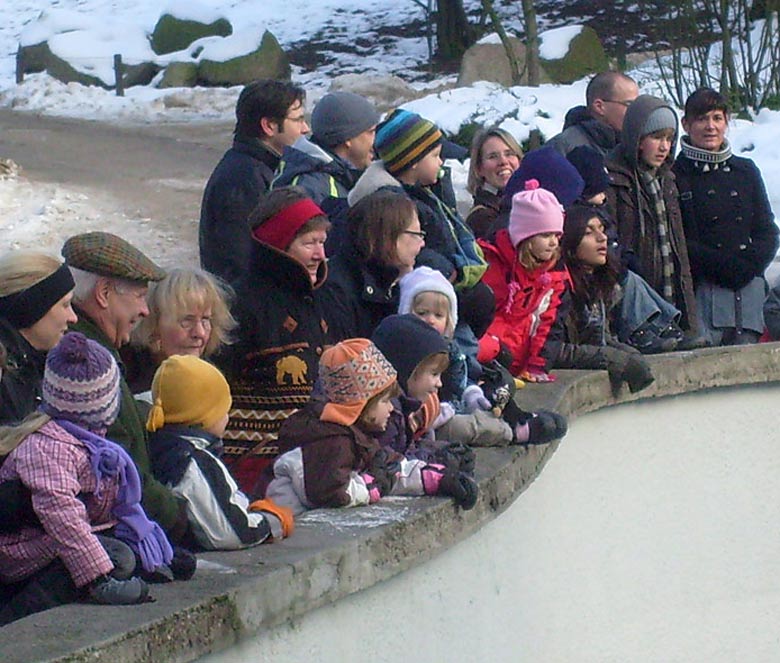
112,279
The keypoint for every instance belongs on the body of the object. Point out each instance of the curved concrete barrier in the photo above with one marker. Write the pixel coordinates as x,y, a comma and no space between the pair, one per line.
333,554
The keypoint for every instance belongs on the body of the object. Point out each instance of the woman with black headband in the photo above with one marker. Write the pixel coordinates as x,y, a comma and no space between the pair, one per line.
35,310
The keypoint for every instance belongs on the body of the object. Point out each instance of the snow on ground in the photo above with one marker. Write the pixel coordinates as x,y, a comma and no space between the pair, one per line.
346,23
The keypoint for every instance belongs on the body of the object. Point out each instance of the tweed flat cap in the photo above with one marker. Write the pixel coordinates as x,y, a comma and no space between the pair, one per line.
108,255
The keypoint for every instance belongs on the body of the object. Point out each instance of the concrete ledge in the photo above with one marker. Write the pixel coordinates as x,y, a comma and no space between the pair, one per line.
334,553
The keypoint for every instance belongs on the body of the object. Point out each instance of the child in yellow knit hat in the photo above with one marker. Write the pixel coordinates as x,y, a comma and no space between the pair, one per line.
191,399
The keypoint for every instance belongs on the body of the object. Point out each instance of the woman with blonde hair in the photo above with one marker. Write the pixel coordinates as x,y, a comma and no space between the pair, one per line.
36,290
189,314
495,155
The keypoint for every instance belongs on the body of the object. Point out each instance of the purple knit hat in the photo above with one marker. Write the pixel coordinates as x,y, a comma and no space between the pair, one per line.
81,383
534,211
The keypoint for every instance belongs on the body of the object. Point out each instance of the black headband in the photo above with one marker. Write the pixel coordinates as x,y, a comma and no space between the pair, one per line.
24,308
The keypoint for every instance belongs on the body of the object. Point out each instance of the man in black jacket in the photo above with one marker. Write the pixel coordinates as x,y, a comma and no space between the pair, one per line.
269,117
608,96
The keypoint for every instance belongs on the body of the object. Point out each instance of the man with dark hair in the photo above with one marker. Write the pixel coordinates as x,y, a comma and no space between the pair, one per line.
341,148
269,117
599,123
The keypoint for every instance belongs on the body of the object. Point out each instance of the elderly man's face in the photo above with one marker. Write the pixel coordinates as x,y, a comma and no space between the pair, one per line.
126,305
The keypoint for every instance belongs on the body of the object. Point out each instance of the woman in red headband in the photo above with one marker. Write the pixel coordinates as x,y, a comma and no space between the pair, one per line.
281,334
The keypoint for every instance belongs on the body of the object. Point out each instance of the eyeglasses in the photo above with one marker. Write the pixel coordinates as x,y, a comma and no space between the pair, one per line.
189,322
617,101
416,233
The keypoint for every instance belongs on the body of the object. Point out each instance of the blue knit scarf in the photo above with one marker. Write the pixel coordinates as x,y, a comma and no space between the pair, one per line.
109,460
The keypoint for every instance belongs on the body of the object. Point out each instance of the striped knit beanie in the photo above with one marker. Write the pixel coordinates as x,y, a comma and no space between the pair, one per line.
81,383
403,139
351,373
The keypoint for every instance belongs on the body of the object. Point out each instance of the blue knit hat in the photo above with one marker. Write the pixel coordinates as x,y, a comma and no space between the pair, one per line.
81,383
553,172
403,139
590,165
406,340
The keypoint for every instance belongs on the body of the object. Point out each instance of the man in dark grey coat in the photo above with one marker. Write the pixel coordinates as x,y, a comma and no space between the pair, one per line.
269,117
608,96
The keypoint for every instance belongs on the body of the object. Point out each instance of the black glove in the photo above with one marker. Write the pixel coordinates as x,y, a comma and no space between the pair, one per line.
627,367
456,455
384,471
110,591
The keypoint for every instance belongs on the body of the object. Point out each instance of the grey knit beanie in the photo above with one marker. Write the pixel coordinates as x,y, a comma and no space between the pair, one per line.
660,118
339,116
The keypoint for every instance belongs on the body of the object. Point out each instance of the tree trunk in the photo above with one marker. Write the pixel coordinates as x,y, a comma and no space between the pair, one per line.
454,34
531,43
514,66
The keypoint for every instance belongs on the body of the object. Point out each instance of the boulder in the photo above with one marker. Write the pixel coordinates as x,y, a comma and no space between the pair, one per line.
488,62
34,58
179,74
268,61
384,92
139,74
585,56
175,34
63,71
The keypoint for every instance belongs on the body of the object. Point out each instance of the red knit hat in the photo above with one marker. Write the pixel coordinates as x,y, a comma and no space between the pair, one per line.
351,373
279,230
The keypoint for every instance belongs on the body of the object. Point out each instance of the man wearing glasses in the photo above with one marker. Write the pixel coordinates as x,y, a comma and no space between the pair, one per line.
599,123
269,117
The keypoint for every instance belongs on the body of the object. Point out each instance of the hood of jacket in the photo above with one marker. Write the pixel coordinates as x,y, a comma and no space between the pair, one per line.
308,157
634,123
375,177
281,268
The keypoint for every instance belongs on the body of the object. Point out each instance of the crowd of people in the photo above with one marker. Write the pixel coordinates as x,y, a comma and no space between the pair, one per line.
350,335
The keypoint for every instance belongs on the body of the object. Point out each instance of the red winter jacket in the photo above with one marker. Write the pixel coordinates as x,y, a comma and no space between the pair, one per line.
528,304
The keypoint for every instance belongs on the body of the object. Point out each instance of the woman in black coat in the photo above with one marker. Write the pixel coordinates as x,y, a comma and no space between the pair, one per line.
273,364
362,287
728,221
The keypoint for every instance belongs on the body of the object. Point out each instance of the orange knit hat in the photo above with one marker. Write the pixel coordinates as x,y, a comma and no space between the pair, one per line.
351,373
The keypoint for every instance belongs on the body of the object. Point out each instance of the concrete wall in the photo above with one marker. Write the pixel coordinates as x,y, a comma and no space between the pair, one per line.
265,600
650,536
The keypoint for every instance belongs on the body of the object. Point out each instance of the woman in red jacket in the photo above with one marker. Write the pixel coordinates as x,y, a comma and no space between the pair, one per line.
529,283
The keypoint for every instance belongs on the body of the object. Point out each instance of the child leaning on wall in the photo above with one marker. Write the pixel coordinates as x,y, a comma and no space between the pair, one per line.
427,295
190,411
331,456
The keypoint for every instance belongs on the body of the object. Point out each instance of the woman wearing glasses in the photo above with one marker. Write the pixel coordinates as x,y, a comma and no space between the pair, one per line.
384,238
188,315
495,155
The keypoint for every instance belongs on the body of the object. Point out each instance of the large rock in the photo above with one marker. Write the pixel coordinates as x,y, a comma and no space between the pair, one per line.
175,34
268,61
384,92
32,59
179,74
585,56
488,62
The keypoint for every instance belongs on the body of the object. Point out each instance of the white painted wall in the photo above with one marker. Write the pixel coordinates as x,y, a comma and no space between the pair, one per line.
653,534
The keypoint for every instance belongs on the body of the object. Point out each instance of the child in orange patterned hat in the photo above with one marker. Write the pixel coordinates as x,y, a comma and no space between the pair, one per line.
330,455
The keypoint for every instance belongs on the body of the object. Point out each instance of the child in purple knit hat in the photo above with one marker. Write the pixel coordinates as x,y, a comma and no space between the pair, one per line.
80,483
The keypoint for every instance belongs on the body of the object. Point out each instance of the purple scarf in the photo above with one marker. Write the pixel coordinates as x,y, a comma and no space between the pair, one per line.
109,460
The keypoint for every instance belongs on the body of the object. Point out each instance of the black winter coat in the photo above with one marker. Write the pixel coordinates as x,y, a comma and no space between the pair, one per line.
20,387
729,226
235,187
483,214
274,363
357,297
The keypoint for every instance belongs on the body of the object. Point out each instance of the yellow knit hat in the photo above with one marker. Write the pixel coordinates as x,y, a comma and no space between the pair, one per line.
189,391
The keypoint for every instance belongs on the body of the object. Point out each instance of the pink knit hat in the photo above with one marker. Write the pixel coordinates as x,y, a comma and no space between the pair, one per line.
534,211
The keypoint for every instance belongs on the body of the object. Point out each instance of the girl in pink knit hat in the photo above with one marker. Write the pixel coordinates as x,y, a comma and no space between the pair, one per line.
528,282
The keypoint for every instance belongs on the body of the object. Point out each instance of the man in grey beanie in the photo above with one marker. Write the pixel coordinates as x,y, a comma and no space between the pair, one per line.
341,147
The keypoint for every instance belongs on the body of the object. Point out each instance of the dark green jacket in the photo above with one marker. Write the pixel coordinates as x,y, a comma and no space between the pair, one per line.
129,430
